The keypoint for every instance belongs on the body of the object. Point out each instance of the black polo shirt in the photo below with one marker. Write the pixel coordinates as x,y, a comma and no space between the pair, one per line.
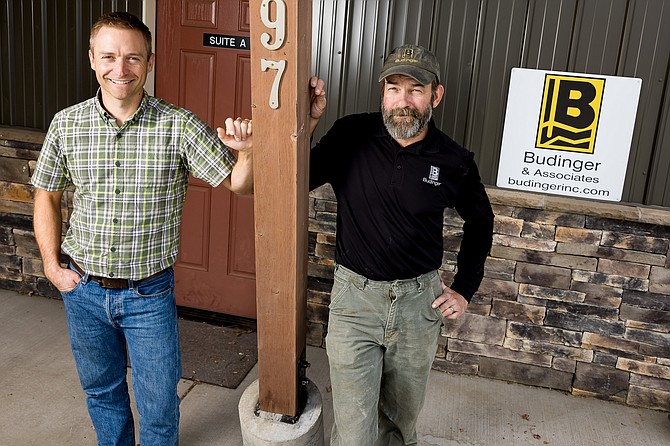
391,201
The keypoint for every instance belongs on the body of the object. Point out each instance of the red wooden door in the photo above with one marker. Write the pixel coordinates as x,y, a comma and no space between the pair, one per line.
216,269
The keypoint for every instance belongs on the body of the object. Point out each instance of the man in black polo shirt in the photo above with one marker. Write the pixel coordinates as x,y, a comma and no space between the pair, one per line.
393,174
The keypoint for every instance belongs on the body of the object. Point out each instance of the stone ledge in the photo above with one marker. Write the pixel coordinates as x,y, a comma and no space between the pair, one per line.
625,212
22,135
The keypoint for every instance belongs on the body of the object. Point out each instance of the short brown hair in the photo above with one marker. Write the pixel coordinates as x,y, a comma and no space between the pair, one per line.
124,20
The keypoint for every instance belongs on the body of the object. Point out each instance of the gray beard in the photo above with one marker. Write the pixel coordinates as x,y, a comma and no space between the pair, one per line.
406,128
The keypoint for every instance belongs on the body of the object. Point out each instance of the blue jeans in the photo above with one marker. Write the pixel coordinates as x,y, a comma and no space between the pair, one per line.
108,325
381,343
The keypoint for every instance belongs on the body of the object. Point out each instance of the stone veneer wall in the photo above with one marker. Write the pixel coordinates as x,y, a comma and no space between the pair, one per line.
20,261
576,294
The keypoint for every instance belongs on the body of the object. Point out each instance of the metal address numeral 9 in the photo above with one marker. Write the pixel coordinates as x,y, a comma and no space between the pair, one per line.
279,26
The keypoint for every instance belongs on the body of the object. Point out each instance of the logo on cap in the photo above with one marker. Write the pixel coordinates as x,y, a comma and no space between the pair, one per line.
413,61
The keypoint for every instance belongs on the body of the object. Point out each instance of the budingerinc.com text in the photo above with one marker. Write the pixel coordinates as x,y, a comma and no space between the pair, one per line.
554,187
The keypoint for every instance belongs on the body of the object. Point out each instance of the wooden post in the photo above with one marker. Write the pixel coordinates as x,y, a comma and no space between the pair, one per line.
281,46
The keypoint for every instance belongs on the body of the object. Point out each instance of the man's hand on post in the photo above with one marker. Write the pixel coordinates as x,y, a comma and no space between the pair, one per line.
237,134
317,99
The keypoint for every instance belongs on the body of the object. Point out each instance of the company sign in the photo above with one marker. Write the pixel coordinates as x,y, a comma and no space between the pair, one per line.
568,133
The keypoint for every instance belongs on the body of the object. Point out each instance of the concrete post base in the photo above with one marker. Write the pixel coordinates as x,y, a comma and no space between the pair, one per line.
268,429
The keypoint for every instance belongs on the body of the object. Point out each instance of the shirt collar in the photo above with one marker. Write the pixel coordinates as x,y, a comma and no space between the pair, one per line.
101,110
104,114
428,144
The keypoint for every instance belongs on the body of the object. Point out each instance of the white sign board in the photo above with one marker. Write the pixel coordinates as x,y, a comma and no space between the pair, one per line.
568,133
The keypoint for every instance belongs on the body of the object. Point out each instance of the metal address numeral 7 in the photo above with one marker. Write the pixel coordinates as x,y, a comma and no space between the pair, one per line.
279,27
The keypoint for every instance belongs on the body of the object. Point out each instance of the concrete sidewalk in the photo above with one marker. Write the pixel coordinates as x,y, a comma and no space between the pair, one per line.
41,402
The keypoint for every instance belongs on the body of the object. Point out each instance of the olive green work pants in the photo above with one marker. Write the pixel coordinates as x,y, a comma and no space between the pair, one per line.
381,342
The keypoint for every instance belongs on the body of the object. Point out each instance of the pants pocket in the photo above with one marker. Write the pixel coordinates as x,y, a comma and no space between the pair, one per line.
156,287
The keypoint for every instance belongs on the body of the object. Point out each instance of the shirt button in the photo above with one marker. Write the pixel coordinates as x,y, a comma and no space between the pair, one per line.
117,191
398,167
111,274
117,164
116,220
113,249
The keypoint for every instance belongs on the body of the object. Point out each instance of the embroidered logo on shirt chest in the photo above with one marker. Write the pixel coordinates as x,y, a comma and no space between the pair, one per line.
433,176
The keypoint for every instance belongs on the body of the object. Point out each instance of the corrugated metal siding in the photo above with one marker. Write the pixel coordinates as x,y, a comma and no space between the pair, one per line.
364,51
409,22
45,66
499,48
661,163
44,54
478,42
328,42
455,32
646,54
549,34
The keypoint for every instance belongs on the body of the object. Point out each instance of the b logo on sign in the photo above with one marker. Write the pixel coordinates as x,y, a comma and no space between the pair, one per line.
570,112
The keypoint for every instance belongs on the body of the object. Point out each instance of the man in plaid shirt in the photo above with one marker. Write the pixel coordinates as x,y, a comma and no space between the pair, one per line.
128,155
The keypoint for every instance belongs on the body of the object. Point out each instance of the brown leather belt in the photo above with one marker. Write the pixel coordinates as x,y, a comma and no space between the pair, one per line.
111,283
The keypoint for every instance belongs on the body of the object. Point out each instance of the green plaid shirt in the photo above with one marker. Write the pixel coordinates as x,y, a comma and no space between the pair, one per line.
130,182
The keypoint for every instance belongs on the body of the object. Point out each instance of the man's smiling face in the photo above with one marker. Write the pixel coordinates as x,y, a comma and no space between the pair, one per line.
406,106
121,63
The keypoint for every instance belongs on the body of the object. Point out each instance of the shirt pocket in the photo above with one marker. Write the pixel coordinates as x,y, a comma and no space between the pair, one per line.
157,171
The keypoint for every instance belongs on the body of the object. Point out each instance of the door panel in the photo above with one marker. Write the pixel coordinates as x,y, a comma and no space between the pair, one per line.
196,84
216,269
194,251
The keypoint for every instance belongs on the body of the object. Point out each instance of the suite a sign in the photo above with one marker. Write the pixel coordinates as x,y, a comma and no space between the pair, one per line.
568,133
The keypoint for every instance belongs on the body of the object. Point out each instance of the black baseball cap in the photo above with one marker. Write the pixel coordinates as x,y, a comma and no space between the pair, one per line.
413,61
